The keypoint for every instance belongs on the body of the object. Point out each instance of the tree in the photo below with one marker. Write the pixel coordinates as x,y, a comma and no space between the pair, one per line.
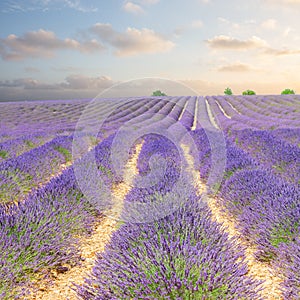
249,92
287,91
158,93
228,91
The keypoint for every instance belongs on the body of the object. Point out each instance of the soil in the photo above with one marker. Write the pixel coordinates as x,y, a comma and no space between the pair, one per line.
258,270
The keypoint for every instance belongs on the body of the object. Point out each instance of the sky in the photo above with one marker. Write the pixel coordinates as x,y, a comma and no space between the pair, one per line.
66,49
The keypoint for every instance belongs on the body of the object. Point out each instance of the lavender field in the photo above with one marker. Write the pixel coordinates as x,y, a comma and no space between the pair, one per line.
171,197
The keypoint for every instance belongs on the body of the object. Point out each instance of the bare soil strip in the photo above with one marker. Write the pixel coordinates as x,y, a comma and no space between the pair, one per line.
195,115
210,115
222,110
257,270
60,285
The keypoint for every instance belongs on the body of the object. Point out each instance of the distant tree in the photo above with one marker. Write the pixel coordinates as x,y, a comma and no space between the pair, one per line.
287,91
228,91
249,92
158,93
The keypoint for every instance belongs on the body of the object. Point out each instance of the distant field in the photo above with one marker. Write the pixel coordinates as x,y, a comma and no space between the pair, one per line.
205,204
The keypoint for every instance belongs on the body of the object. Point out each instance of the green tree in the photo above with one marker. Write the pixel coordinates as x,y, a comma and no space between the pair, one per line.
158,93
249,92
287,91
228,91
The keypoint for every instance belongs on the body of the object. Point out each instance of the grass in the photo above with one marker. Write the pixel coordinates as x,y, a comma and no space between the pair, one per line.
65,152
30,144
3,154
21,180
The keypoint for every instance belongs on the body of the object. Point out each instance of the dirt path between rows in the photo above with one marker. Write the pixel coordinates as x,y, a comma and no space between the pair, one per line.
257,270
62,283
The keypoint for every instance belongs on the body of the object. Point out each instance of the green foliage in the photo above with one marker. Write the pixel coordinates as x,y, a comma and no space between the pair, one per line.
65,152
281,234
228,91
30,144
158,93
287,91
3,154
249,92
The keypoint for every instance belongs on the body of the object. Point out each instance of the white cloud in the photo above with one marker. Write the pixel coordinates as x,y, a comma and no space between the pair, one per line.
287,31
31,70
224,42
235,67
41,43
72,88
133,41
147,2
74,82
286,3
246,26
196,24
83,82
280,52
44,5
269,24
133,8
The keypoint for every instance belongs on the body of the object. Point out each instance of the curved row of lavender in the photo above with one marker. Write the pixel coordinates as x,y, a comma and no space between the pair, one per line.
256,112
38,233
135,112
19,175
15,147
183,255
264,198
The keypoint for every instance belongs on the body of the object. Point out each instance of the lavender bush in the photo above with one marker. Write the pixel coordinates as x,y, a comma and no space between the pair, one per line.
183,256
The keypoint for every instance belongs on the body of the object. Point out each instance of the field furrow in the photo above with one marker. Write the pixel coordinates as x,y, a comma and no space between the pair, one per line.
61,285
258,270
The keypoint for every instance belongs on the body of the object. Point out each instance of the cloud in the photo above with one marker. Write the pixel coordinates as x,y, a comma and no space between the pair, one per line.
287,31
147,2
236,67
25,83
41,43
285,3
136,7
195,24
31,70
223,42
74,82
44,5
278,52
269,24
132,41
74,86
133,8
84,82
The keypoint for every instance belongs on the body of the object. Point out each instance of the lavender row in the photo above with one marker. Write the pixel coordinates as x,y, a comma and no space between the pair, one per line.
60,195
18,176
183,255
248,106
264,200
15,147
258,119
38,233
275,155
187,118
